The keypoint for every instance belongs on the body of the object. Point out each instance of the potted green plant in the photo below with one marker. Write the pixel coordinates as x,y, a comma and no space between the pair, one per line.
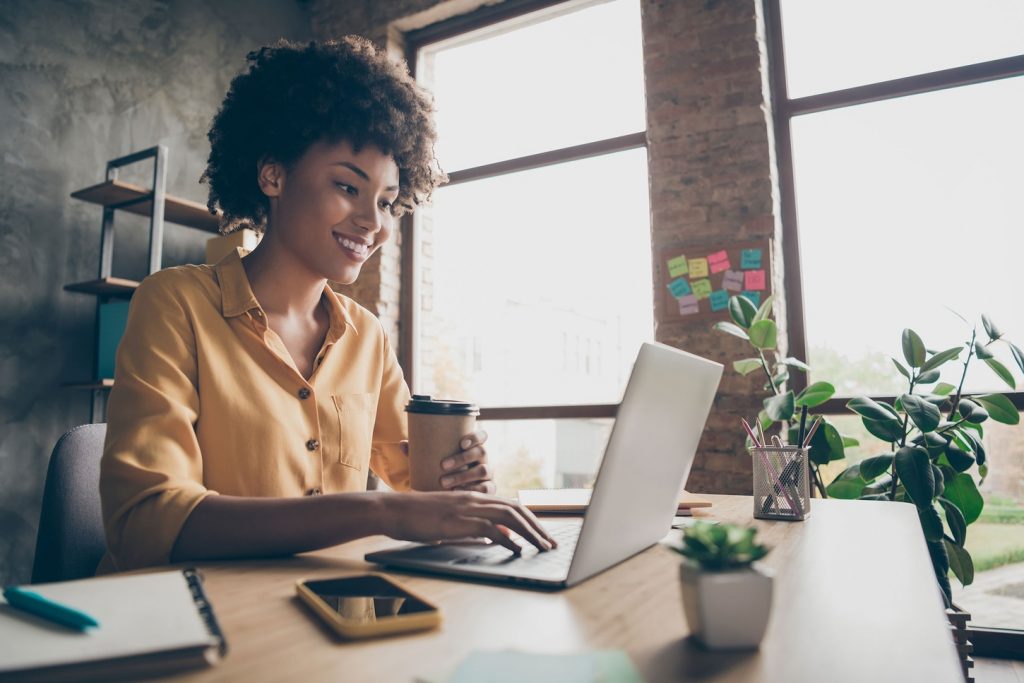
934,432
755,326
727,598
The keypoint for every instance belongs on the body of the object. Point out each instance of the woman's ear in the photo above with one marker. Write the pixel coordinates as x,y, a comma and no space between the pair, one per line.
270,177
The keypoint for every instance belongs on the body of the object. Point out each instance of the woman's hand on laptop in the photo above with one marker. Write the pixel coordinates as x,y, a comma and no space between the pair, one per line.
443,516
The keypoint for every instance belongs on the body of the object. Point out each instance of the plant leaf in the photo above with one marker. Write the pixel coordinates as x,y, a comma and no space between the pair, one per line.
913,348
983,471
780,407
764,311
742,311
943,389
976,445
940,565
971,411
871,468
955,520
999,408
963,492
940,481
941,357
899,366
981,352
960,562
929,377
815,395
871,409
848,485
991,330
924,414
915,471
850,442
763,334
960,460
745,366
729,328
931,523
886,430
795,363
1002,371
1018,355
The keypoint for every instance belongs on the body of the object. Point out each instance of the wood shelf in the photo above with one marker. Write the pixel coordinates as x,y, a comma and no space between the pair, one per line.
97,384
107,286
176,210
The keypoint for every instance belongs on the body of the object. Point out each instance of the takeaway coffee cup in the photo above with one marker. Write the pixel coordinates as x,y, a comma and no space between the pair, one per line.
436,426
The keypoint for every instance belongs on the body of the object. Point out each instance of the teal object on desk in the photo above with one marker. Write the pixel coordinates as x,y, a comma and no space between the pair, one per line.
36,604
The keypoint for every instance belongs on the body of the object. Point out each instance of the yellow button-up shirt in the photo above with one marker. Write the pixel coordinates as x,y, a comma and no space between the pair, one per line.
207,400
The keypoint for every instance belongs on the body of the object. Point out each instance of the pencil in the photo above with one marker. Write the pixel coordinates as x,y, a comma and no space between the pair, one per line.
810,433
803,424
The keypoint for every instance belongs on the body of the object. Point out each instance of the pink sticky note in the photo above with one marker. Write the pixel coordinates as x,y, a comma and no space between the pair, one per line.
753,280
719,266
718,256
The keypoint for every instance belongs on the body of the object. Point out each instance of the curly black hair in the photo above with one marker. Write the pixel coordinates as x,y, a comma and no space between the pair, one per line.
293,96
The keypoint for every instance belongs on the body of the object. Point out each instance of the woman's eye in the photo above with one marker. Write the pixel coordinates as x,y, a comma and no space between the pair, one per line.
348,188
386,205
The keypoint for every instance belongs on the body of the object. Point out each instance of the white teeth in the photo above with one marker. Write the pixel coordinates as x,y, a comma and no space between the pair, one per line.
357,247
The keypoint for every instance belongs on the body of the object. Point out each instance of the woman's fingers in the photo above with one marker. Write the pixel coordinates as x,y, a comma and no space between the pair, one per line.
472,475
476,438
476,454
510,518
484,528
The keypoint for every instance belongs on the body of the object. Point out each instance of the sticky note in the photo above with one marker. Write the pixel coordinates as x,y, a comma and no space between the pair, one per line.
719,300
733,280
755,297
698,267
688,305
702,288
679,287
753,280
750,259
719,261
677,266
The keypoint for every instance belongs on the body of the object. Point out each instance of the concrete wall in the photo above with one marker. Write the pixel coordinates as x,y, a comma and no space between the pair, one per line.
80,83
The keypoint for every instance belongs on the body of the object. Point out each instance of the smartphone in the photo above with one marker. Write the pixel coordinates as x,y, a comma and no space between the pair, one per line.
367,605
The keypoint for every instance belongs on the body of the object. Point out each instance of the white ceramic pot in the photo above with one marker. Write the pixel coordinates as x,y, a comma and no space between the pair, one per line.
727,609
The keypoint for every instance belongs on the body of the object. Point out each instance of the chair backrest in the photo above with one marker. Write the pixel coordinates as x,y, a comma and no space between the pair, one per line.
71,541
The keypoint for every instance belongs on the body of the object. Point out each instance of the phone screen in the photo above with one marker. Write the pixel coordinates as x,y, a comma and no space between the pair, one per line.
366,599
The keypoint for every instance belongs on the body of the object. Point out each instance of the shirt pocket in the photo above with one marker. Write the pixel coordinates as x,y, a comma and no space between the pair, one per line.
355,419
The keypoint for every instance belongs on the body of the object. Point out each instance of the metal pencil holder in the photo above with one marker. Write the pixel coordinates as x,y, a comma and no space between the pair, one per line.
781,487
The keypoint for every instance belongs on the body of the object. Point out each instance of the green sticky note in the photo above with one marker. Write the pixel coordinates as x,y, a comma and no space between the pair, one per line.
719,300
677,266
679,287
750,259
702,288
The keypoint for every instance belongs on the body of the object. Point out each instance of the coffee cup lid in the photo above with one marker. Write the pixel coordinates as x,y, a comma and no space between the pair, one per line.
438,406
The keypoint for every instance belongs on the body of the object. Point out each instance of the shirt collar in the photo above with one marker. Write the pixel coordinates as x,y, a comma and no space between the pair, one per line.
237,297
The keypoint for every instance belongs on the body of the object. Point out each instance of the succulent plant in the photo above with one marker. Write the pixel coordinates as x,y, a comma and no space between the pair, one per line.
720,547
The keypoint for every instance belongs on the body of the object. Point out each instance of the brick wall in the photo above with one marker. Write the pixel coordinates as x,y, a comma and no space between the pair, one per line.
711,164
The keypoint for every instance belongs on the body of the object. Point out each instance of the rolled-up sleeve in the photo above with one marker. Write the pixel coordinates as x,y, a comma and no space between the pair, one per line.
390,427
151,476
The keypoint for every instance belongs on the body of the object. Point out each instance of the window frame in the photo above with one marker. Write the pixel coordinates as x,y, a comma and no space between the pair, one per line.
987,641
409,300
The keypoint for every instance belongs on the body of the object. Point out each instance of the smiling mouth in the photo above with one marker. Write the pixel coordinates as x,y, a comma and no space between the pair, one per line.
357,251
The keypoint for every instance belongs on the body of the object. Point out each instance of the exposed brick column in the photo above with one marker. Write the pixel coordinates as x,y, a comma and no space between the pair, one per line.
710,149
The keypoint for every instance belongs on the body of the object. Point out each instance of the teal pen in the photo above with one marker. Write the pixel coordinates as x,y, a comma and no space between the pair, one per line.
36,604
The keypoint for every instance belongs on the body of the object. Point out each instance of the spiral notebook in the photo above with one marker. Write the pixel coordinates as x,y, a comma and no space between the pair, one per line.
149,624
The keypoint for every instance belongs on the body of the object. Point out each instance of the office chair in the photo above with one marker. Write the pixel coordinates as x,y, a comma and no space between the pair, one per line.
71,542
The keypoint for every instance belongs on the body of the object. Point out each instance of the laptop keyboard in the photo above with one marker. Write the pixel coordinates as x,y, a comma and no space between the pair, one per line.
549,561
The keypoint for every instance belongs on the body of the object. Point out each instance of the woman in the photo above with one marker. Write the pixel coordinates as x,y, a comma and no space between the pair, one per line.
246,390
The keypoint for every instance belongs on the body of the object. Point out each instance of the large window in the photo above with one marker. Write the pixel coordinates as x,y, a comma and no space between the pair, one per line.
900,148
532,267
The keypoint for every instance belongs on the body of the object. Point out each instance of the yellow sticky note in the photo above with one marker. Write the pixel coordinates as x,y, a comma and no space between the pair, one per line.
677,266
701,288
698,267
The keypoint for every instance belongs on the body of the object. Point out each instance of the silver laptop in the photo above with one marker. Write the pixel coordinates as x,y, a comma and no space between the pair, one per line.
648,457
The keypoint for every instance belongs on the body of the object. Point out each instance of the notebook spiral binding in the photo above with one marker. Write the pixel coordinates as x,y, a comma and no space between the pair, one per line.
195,585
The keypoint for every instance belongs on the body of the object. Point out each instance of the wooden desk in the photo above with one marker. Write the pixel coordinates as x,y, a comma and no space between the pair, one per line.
855,601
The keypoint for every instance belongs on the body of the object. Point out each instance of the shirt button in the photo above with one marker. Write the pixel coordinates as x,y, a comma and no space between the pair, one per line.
312,445
304,393
314,492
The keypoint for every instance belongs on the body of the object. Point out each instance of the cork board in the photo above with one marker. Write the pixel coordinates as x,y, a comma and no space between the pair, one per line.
697,281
